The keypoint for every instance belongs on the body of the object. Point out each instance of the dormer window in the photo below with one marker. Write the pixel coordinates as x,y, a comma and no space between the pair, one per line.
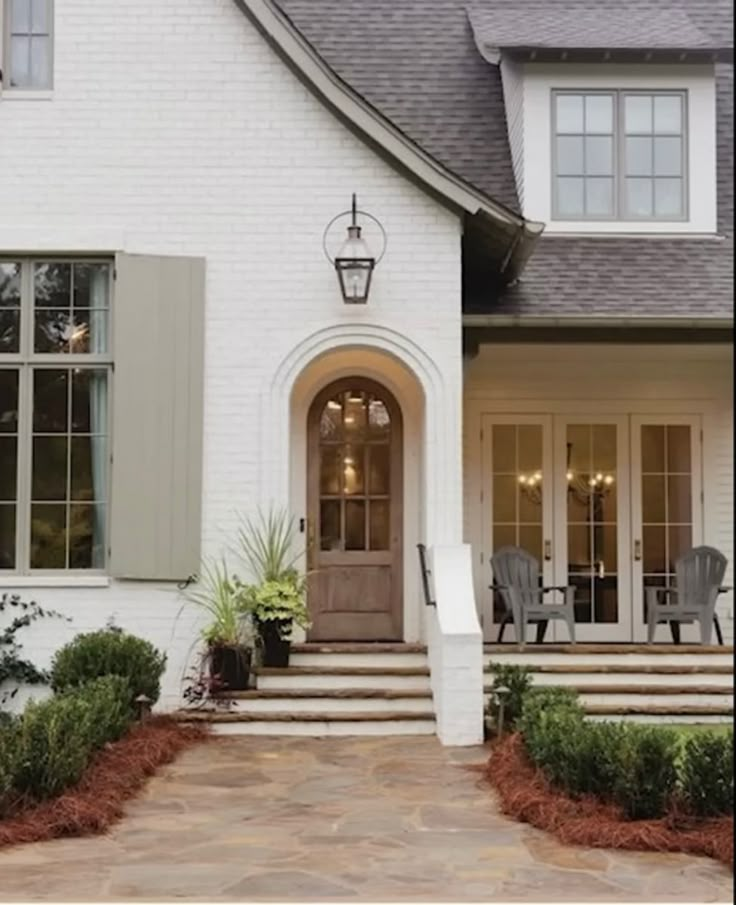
27,44
618,155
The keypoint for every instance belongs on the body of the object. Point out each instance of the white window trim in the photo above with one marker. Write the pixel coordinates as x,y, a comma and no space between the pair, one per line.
697,80
7,91
24,361
618,135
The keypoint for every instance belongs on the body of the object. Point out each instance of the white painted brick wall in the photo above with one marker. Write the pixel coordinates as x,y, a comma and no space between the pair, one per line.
174,129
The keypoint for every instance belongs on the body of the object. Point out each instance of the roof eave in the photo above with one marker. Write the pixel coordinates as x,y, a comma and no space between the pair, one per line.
374,128
532,320
530,53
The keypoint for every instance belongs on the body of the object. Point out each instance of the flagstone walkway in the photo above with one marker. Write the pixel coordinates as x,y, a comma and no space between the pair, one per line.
356,819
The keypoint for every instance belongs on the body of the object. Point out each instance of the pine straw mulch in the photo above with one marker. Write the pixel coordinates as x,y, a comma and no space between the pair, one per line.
114,776
526,795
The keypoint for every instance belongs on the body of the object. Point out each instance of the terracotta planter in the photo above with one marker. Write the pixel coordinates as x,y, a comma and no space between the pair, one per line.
275,649
232,666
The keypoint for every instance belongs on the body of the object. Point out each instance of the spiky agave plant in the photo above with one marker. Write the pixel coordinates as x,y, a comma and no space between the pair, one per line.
218,594
266,546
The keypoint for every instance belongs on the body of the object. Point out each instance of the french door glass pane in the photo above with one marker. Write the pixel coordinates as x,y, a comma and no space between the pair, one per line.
667,504
592,523
517,470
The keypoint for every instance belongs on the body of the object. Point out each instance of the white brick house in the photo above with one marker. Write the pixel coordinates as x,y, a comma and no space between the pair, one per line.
179,162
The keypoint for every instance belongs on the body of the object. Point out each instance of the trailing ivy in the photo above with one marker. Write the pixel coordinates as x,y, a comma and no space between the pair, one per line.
15,669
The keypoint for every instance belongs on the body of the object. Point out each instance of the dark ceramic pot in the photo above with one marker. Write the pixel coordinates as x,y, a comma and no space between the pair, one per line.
232,666
275,648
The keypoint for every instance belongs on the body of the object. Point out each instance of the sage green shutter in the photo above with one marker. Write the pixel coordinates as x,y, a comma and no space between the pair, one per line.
158,389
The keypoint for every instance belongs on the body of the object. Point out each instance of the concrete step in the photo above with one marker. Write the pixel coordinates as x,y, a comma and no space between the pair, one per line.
329,723
674,710
649,682
388,659
617,649
358,647
373,700
342,677
624,667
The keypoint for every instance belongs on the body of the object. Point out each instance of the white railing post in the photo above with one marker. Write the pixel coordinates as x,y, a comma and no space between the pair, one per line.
455,647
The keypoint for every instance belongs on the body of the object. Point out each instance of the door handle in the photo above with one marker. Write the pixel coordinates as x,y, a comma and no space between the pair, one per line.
547,550
637,550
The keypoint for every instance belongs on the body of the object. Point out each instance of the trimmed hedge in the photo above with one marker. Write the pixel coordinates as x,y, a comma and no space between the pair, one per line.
109,652
628,764
48,747
707,774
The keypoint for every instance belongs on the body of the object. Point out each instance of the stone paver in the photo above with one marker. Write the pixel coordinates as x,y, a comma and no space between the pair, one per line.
355,819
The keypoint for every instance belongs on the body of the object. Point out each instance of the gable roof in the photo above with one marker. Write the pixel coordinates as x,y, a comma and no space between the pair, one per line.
416,64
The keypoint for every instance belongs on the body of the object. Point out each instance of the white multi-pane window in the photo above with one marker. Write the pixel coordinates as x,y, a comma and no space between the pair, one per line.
55,366
619,155
27,46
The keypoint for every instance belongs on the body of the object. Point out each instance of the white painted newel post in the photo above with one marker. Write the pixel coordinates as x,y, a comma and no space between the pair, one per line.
455,647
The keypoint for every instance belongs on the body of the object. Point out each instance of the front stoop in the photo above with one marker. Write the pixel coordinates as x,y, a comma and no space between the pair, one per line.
329,690
663,683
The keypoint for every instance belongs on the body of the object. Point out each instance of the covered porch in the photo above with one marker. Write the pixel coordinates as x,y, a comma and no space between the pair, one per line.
606,461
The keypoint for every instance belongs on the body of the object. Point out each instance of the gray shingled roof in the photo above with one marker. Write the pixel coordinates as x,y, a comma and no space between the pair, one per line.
417,63
626,277
627,27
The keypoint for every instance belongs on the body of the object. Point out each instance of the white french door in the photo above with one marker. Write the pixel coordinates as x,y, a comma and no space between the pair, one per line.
666,506
591,536
606,503
516,462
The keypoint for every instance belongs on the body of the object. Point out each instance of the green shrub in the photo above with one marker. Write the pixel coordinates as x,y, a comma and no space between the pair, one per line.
53,746
110,713
646,774
8,758
110,652
707,774
518,680
631,765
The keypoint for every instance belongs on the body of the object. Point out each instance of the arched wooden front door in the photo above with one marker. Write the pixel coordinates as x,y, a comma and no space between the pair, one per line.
354,498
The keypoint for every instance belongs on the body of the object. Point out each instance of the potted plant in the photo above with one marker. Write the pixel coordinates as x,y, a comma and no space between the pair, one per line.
228,634
276,598
276,606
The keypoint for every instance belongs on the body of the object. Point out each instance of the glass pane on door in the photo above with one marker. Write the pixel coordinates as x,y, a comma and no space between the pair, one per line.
517,481
666,502
355,473
591,481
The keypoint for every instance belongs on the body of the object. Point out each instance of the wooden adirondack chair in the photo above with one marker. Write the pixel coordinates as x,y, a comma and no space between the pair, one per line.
516,577
698,577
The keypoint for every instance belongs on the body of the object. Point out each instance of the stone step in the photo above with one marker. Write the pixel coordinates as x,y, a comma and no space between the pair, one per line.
670,710
595,680
394,659
330,701
341,678
382,693
617,649
357,647
662,688
342,671
591,667
333,723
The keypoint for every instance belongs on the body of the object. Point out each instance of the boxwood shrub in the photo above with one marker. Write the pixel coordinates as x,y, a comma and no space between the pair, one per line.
47,748
707,773
629,764
109,652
